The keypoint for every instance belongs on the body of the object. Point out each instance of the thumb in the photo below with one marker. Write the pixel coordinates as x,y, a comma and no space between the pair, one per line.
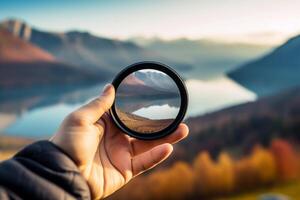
92,111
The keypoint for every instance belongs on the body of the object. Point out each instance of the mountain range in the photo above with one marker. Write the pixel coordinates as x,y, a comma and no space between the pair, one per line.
192,58
272,73
158,80
88,51
95,57
13,49
147,86
23,65
210,58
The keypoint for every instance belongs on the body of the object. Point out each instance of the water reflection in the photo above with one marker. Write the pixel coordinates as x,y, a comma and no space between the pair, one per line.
20,100
158,112
38,113
133,104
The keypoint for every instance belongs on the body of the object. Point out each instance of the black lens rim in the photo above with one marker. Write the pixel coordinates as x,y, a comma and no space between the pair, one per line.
183,93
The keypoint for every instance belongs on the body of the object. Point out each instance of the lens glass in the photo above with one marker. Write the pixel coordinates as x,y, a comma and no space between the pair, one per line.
147,101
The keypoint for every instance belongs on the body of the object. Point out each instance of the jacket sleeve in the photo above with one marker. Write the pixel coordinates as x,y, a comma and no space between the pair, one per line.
41,171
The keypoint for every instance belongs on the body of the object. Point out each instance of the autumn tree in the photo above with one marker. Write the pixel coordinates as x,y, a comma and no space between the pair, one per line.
175,183
245,174
225,173
265,165
213,178
258,168
204,170
286,159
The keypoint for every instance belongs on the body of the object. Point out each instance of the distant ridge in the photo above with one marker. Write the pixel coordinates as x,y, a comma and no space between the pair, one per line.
272,73
210,58
86,50
12,49
23,65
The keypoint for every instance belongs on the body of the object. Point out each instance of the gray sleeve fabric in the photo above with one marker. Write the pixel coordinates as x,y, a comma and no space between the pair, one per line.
41,171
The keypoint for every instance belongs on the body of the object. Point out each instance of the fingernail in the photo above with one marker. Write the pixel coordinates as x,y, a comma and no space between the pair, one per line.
106,89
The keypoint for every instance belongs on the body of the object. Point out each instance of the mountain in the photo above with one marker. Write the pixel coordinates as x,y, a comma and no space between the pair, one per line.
24,65
210,58
131,79
240,127
158,80
86,50
12,49
272,73
135,88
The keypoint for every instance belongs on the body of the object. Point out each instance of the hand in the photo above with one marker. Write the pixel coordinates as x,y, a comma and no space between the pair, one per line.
106,157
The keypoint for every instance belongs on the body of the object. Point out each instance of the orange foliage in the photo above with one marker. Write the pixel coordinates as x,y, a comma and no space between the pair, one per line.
259,168
175,183
265,165
286,159
226,173
204,174
245,174
209,178
298,164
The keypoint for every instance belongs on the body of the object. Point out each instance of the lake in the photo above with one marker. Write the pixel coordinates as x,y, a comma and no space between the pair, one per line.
158,112
39,115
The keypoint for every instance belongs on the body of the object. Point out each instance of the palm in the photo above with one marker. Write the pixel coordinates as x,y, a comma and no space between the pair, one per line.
111,166
106,157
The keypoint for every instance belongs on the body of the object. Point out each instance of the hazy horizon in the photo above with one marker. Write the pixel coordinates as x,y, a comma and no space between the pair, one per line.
258,22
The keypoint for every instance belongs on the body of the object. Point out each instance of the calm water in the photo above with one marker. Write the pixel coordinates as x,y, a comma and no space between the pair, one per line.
151,108
40,115
158,112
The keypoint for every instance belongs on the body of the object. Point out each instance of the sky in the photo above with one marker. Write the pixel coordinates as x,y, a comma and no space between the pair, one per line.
257,21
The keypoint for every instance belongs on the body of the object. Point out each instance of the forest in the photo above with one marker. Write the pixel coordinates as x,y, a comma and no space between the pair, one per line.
206,178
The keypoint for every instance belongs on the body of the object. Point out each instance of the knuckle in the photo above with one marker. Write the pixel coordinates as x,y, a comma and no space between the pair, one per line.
97,101
76,119
99,104
102,103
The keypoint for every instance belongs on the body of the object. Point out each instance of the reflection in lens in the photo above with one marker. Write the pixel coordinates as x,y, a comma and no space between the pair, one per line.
147,101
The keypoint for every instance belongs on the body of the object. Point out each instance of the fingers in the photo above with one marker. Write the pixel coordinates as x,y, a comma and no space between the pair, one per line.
92,111
140,146
151,158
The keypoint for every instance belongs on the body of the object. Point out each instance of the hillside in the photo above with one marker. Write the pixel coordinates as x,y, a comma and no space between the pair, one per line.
158,80
209,57
86,50
24,65
240,127
272,73
12,49
142,124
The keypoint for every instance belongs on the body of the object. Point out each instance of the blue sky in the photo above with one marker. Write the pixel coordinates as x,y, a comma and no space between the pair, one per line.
256,20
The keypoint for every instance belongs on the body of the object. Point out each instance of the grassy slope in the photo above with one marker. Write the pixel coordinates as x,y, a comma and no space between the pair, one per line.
291,190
